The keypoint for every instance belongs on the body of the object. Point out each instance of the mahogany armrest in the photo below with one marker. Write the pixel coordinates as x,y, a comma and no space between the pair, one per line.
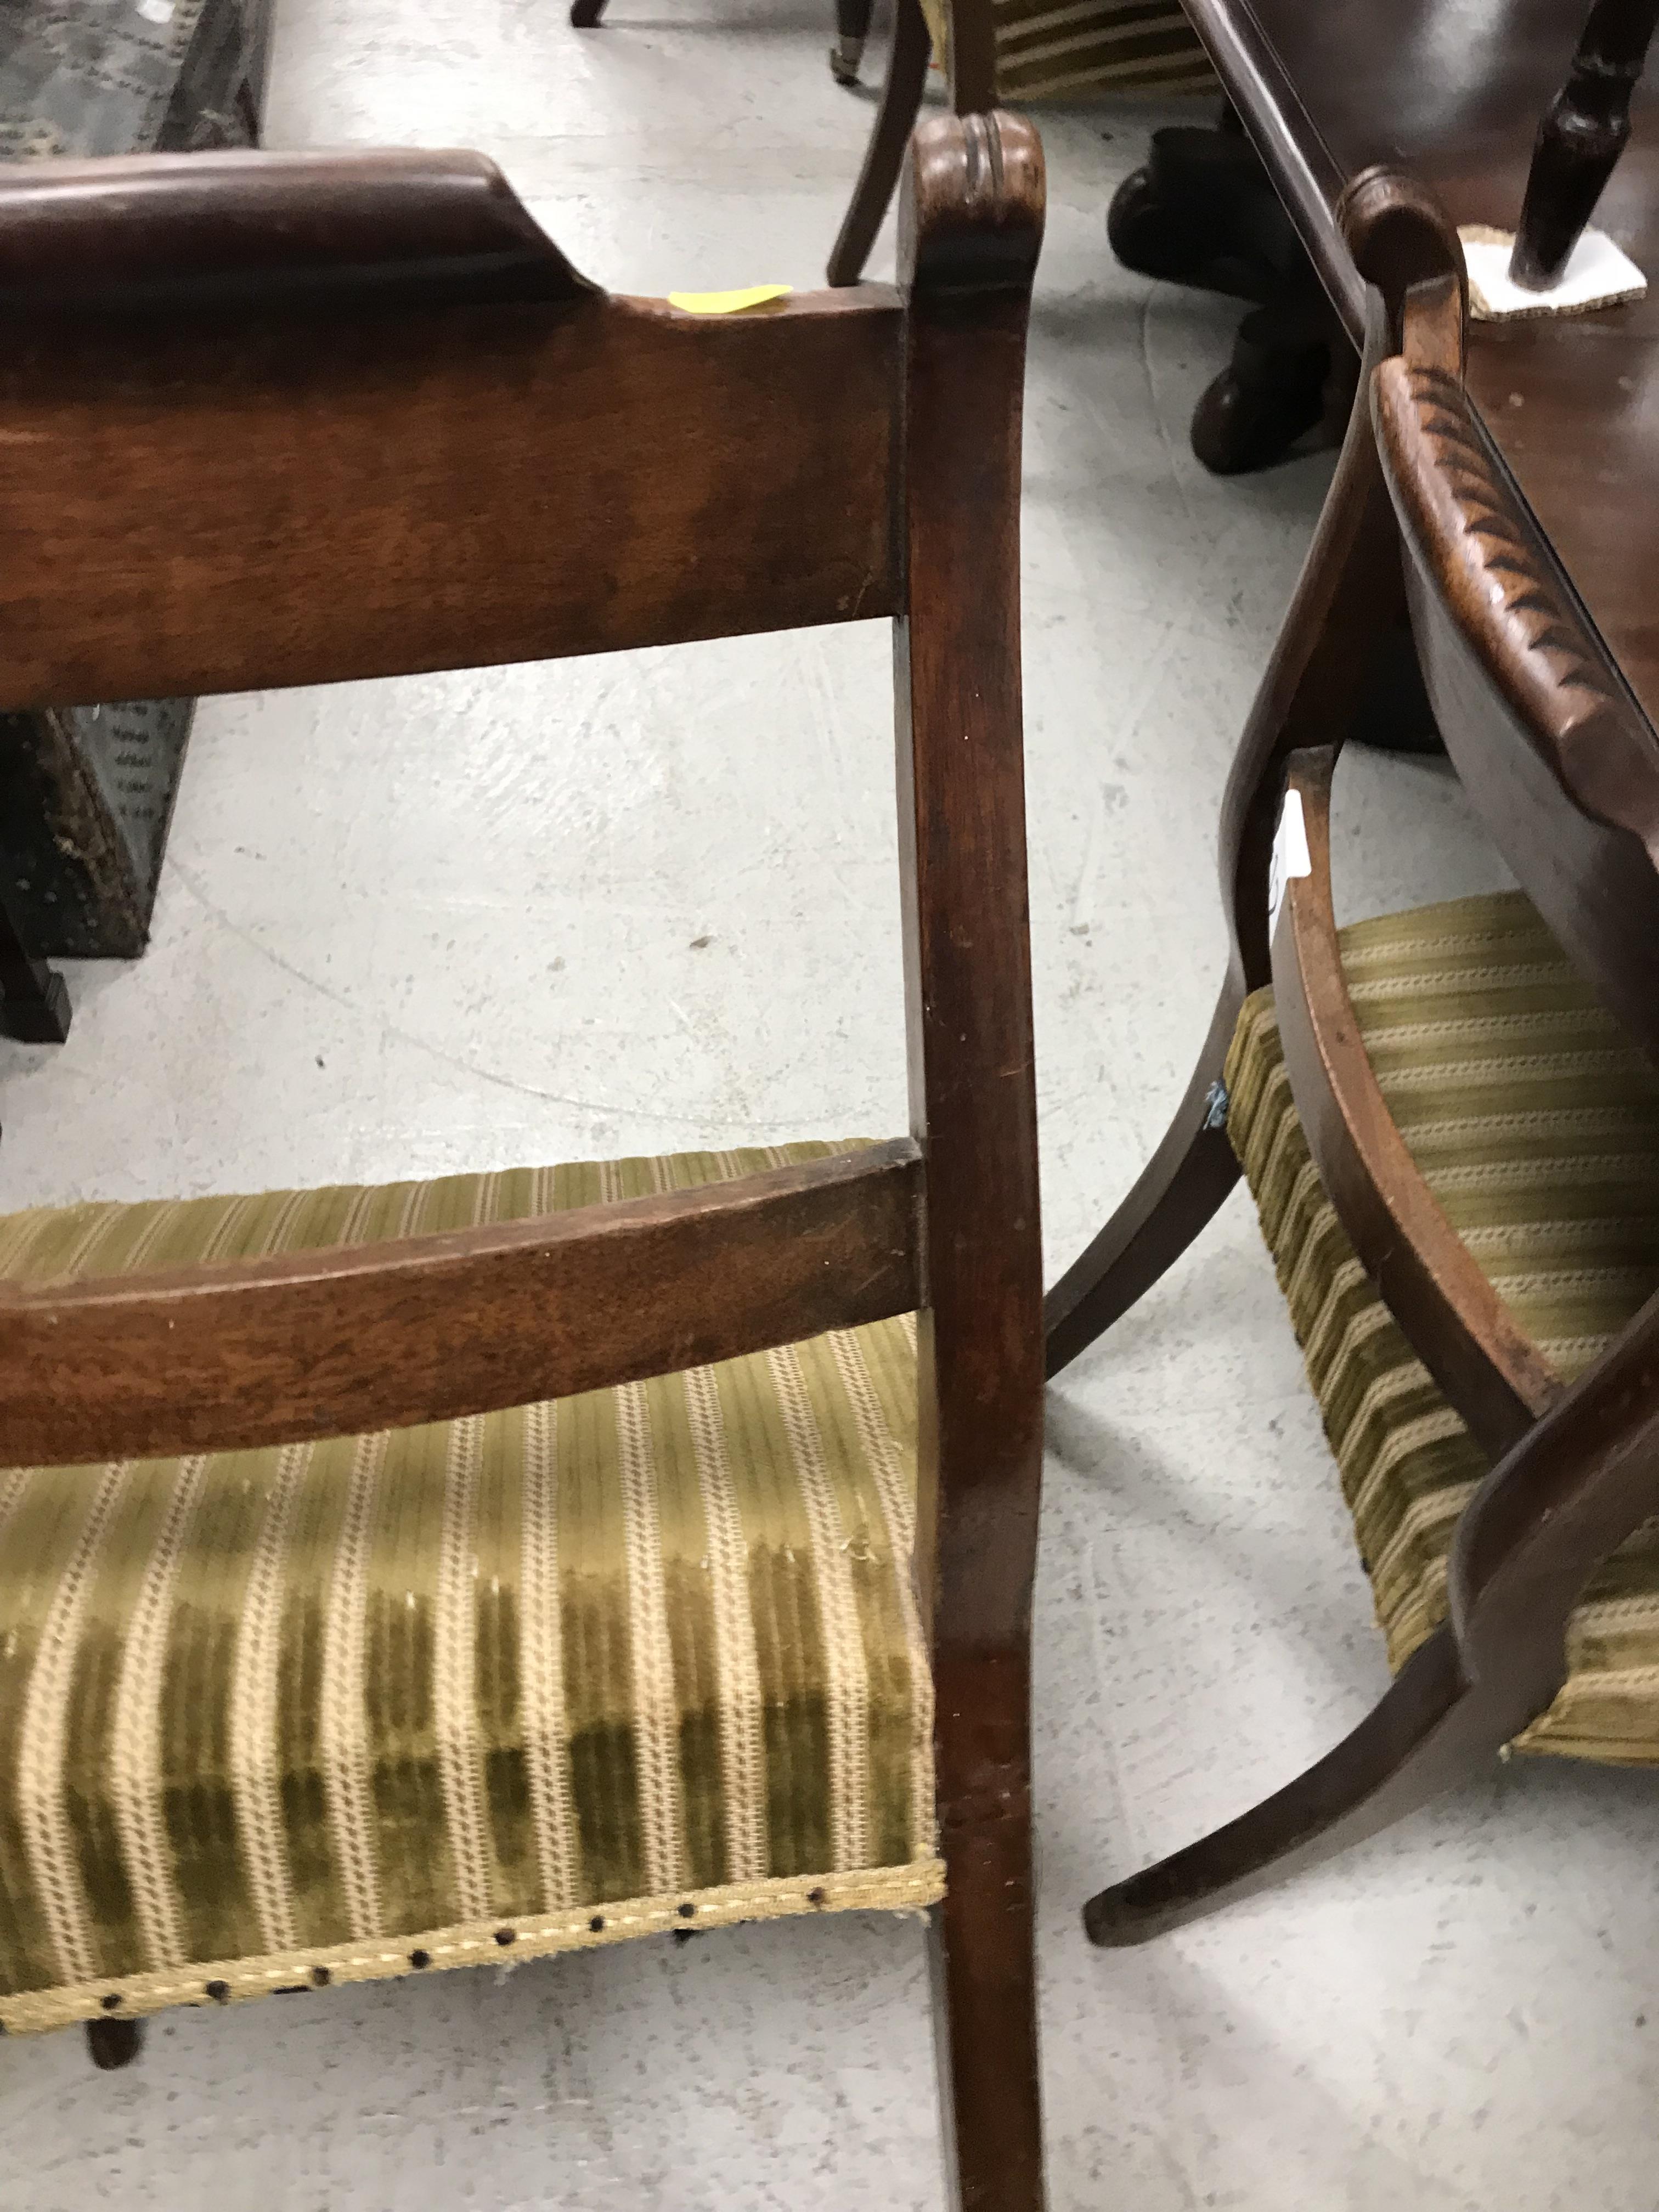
1504,588
1540,724
1454,1320
1551,1513
349,1339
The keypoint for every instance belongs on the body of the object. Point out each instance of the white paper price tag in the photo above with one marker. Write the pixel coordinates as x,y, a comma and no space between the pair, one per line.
1290,856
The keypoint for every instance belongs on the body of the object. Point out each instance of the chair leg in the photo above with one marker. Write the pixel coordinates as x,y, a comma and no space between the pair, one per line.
585,14
1180,1189
34,1004
895,118
984,1973
852,29
114,2043
1430,1731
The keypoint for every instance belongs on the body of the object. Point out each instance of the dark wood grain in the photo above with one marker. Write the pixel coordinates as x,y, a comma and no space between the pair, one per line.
1571,402
889,135
1562,762
1347,601
1454,1320
1584,130
230,498
1561,759
425,477
354,1337
162,229
970,230
972,61
1580,1481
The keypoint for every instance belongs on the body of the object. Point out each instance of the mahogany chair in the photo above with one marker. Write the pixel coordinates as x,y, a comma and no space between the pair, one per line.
392,1579
998,51
1449,1120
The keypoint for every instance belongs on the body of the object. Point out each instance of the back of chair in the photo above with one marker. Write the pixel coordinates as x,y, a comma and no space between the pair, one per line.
273,420
276,420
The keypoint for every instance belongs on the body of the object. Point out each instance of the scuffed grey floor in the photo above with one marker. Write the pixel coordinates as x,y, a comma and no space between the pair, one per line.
638,902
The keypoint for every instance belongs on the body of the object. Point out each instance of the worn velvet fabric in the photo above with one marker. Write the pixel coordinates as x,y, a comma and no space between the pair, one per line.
642,1659
1535,1124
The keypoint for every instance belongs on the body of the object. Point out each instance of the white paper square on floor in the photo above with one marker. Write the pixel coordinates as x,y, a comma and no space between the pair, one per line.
1598,274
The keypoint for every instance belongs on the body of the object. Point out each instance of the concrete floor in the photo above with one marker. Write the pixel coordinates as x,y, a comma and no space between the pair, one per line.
450,922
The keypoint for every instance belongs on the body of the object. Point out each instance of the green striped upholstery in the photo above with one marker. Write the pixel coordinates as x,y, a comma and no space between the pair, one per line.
645,1659
1049,47
1536,1125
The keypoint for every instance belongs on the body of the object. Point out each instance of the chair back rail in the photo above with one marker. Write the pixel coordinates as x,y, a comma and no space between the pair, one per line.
309,435
349,1339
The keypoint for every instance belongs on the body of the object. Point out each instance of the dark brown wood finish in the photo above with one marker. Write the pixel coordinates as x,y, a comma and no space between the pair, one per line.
1584,130
971,227
1539,720
413,482
972,61
1343,612
883,157
113,2044
350,1338
1571,404
600,473
1522,685
1550,1511
247,226
1491,1371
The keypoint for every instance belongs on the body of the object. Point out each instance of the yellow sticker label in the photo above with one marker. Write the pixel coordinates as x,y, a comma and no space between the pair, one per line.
727,303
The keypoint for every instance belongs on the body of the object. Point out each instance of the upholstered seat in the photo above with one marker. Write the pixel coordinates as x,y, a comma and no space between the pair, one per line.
647,1659
1536,1125
1045,48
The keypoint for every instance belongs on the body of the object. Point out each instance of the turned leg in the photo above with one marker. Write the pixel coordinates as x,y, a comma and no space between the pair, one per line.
1430,1731
34,1004
852,29
114,2043
895,118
